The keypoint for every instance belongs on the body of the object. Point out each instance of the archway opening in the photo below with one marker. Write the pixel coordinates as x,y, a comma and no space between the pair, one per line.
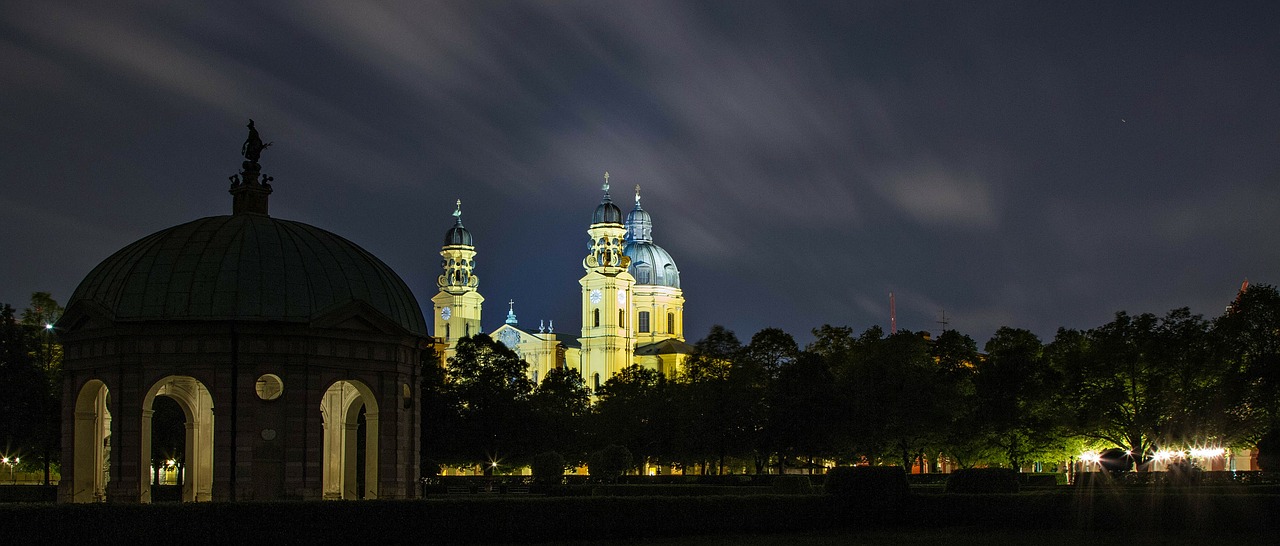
350,416
92,448
168,449
194,469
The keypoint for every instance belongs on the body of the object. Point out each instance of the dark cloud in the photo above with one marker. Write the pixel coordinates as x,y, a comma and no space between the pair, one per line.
1011,163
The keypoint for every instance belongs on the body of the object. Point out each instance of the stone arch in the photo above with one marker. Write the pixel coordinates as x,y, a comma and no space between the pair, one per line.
92,444
341,473
197,407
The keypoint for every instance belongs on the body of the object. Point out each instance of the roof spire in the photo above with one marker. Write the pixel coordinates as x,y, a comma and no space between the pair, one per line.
248,194
637,195
457,213
606,182
511,313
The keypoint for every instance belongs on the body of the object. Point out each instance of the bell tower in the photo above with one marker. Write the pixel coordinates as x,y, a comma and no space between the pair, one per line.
457,306
608,340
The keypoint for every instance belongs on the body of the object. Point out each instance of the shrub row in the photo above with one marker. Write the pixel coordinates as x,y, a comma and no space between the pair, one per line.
983,480
539,519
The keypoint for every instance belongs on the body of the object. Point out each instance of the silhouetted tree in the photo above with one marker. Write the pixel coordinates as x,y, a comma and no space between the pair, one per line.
560,406
493,392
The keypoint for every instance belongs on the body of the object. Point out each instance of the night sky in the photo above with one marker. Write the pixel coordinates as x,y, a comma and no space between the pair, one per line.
1029,164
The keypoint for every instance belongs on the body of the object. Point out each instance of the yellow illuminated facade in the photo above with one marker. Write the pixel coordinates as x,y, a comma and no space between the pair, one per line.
632,303
458,304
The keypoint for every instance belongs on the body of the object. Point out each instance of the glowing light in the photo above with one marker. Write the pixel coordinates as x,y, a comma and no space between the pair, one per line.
48,326
1165,455
1091,457
1208,452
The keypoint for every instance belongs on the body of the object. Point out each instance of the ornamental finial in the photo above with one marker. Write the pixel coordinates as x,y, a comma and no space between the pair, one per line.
606,181
458,211
637,195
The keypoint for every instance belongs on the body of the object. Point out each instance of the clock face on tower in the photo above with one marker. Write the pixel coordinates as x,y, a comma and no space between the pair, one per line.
622,298
446,313
595,296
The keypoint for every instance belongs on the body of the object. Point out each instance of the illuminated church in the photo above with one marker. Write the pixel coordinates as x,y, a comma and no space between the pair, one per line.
632,304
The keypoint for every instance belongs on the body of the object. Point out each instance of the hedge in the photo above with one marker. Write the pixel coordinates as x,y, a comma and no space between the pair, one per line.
983,480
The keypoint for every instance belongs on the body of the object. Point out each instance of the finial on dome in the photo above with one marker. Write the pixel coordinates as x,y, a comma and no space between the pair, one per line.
457,213
606,182
637,195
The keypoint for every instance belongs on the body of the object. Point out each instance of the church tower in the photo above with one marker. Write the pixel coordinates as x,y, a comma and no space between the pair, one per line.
657,300
608,342
457,306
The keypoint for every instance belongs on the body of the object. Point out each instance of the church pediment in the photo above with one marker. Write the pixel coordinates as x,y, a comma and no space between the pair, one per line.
357,316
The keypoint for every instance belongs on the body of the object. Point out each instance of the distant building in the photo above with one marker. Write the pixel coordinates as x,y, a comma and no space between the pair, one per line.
632,302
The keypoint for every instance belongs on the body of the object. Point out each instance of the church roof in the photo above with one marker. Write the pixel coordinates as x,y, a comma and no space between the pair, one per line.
245,267
665,347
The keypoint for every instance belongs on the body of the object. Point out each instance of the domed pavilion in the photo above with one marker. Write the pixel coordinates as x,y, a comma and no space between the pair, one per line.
293,354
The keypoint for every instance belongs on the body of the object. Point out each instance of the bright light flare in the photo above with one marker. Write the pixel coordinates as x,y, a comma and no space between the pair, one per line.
48,326
1167,454
1208,452
1091,457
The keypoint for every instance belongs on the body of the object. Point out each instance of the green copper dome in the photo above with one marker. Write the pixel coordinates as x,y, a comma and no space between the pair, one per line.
245,267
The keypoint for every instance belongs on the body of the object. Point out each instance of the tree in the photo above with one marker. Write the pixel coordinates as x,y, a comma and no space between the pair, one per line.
799,422
1016,400
22,389
633,409
441,420
493,392
1130,379
723,397
46,352
560,406
770,351
1246,343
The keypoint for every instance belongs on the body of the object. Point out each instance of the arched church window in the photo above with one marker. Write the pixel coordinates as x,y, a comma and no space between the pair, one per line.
535,377
671,323
595,318
446,331
643,320
622,316
596,379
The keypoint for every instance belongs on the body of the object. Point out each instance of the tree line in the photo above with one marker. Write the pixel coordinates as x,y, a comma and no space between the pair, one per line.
30,386
1139,383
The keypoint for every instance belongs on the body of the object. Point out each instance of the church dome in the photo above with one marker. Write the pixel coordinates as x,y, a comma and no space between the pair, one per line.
607,213
248,267
651,265
458,235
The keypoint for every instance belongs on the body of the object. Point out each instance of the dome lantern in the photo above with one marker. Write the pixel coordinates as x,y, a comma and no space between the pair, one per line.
248,194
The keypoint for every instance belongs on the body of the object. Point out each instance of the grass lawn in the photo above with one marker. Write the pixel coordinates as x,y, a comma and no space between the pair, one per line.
953,536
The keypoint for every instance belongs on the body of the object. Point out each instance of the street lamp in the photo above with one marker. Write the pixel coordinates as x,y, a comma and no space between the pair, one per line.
11,462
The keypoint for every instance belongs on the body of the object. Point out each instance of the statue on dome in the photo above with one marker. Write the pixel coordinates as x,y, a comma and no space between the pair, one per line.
253,145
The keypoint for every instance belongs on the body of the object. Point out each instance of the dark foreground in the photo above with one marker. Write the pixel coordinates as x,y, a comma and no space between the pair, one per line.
1068,516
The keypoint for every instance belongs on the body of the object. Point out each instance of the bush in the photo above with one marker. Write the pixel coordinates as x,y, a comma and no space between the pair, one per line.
1094,479
609,463
1269,451
983,480
888,483
792,484
547,468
